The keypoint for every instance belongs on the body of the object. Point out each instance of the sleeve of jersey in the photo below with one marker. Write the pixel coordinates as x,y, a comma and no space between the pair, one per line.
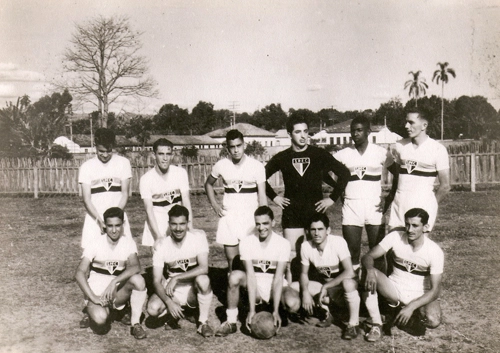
388,241
442,159
158,259
271,167
387,158
260,172
285,251
185,181
341,172
83,175
144,188
202,243
305,250
132,246
216,170
127,169
437,264
89,253
243,247
342,249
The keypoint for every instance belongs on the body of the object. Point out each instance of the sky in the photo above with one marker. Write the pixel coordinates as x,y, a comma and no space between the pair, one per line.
314,54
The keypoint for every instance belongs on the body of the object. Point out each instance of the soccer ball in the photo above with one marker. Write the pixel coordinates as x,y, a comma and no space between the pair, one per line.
263,325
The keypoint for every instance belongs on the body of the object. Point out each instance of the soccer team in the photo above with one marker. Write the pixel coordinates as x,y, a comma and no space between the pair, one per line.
307,271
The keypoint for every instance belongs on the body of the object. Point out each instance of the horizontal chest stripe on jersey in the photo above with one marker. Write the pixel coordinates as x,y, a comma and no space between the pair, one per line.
413,272
105,271
229,190
103,189
327,271
366,177
167,203
180,270
264,266
418,173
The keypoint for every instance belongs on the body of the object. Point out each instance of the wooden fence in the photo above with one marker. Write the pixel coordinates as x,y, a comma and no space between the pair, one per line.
52,176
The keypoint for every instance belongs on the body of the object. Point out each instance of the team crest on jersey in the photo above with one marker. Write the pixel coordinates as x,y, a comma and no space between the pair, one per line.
107,182
326,271
410,266
237,185
411,165
171,195
360,171
111,266
183,264
301,164
264,265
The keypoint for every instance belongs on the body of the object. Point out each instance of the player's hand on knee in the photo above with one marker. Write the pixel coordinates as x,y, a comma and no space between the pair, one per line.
322,205
175,310
307,303
371,281
281,201
277,320
219,210
321,296
404,316
169,290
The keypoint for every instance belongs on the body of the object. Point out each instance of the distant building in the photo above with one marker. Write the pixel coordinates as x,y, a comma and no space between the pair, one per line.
282,138
201,142
340,134
249,131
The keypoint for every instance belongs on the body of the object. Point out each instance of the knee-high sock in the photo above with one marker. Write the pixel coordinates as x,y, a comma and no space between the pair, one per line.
373,309
204,301
353,301
137,300
232,315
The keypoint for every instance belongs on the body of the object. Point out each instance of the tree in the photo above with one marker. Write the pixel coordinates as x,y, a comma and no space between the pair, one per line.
272,117
139,128
171,120
38,124
417,85
391,114
103,63
476,118
430,107
442,75
202,118
255,148
306,114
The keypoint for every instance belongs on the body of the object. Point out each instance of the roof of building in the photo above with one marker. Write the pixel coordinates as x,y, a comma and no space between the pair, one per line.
180,140
248,130
345,127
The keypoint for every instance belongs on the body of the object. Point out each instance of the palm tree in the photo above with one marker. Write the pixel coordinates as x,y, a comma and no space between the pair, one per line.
417,85
442,74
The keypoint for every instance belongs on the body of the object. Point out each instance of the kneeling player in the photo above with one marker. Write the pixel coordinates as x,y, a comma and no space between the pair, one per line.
114,276
416,279
180,273
326,253
264,257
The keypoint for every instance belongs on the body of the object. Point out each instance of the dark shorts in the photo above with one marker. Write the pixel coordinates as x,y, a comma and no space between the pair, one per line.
297,215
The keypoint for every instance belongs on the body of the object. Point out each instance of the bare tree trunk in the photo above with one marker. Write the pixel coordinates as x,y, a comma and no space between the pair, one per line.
442,109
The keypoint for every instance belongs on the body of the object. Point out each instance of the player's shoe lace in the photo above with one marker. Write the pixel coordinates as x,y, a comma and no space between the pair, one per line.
375,334
225,329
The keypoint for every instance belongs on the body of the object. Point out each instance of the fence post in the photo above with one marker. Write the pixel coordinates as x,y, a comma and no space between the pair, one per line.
473,172
35,179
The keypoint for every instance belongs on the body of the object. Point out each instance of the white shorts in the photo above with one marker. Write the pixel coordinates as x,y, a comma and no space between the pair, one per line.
184,293
314,287
405,296
233,226
405,201
91,230
358,212
162,222
337,292
98,283
265,287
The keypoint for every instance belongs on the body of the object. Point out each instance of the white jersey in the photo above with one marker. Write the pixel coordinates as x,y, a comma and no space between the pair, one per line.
366,171
165,192
105,180
412,269
265,256
177,258
327,263
240,183
109,259
419,166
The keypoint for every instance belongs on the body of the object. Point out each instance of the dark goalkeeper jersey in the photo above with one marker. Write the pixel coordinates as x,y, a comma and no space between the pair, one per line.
303,174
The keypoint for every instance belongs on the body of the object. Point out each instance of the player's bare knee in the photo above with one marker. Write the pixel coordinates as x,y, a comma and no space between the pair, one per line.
155,307
138,283
99,317
202,283
349,285
291,300
235,278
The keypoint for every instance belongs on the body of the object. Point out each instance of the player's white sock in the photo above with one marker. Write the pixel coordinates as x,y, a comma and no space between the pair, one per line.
353,301
137,300
373,309
232,315
204,301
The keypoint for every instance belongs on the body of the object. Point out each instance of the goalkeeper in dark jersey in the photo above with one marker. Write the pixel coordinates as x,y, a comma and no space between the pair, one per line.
303,168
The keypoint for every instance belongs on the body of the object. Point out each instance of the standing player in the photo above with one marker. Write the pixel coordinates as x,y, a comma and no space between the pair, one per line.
180,273
244,190
161,188
303,168
363,202
114,276
331,260
105,183
264,257
416,280
420,160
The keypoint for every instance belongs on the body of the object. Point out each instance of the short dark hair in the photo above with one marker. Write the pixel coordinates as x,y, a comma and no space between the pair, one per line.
178,211
233,135
294,120
421,114
162,142
363,120
418,212
319,217
105,137
114,212
264,210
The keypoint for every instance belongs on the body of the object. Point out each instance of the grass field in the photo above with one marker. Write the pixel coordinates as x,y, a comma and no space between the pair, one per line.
40,302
